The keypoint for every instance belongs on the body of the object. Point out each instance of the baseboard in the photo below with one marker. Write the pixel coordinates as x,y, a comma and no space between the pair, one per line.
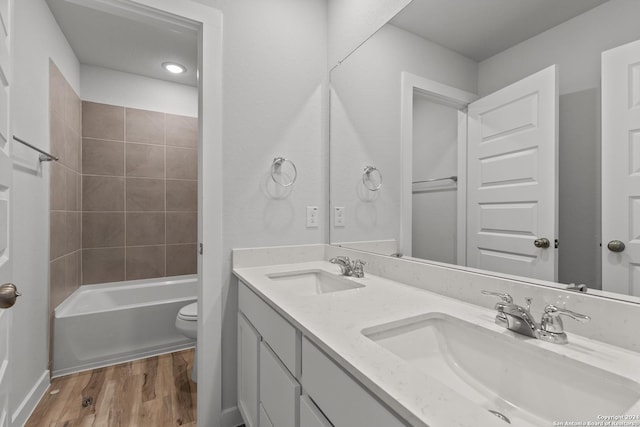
122,359
231,417
24,410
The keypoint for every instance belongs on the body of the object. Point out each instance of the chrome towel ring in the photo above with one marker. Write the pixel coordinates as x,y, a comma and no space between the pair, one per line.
372,178
280,177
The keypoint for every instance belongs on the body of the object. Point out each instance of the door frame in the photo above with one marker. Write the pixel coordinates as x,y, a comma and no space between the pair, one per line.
441,94
207,21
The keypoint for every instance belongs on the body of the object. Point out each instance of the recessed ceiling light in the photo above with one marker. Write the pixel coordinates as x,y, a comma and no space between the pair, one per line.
174,68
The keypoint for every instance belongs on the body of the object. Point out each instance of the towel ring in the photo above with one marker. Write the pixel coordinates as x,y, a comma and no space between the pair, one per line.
367,181
276,169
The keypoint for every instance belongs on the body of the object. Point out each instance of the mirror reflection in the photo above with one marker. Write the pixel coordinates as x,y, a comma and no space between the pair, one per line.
484,118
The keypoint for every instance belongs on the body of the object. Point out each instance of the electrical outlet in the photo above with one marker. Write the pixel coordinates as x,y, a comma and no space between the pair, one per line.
313,216
339,216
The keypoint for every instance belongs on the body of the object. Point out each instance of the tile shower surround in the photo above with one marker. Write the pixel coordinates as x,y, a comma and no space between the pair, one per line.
65,121
139,193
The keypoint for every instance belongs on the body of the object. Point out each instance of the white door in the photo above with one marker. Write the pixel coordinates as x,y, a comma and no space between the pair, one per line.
621,169
512,178
5,200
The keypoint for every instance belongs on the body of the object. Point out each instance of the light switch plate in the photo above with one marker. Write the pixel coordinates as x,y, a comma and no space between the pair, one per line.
313,216
339,216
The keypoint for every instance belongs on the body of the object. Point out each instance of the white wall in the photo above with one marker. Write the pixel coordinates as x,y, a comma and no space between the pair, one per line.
574,45
351,22
274,82
37,38
435,155
365,125
98,84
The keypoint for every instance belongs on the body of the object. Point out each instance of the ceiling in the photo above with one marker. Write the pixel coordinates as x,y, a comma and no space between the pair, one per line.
479,29
127,41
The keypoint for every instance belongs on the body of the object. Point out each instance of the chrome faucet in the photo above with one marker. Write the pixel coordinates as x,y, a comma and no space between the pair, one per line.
520,320
348,267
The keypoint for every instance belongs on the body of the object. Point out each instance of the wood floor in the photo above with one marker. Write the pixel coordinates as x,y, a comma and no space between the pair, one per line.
153,392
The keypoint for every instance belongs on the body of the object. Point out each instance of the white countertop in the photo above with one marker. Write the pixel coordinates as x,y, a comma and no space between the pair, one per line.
334,322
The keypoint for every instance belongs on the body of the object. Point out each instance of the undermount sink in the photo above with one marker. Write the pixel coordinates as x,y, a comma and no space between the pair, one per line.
507,376
313,282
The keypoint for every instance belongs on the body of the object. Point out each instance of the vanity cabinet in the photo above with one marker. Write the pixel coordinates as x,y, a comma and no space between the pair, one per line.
344,401
248,357
310,415
284,380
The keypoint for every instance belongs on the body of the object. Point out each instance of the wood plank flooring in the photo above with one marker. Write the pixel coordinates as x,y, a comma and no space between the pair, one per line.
153,392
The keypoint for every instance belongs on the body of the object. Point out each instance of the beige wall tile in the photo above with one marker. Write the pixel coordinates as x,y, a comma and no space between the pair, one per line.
72,202
72,147
58,236
145,194
182,163
181,131
182,195
72,272
102,193
102,121
73,232
100,230
145,161
57,282
181,259
57,85
102,265
145,262
101,157
58,184
57,129
73,110
182,227
145,228
144,126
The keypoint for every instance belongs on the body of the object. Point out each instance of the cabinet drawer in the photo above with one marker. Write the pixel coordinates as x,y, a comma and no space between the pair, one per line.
282,337
279,391
310,415
343,400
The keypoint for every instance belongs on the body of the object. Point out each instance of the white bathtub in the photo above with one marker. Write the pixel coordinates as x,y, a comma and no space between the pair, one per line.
100,325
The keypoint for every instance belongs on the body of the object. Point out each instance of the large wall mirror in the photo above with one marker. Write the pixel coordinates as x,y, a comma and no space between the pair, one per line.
471,133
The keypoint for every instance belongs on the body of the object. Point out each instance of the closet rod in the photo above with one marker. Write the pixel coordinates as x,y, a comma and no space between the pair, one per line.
452,178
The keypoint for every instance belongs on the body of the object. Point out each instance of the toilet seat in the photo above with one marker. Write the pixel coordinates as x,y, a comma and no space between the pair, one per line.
189,312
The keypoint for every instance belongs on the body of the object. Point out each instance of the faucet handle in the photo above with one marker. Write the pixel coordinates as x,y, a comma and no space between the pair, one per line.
504,297
551,326
358,268
554,312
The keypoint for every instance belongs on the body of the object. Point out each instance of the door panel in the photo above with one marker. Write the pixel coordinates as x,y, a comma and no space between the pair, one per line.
621,168
512,178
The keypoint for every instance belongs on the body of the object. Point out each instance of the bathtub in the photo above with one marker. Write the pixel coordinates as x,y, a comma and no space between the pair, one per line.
100,325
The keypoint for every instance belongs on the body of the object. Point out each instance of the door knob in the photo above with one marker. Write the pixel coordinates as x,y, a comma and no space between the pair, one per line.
542,243
615,246
8,295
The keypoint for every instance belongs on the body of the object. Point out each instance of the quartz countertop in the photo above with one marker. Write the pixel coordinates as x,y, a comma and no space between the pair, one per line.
334,322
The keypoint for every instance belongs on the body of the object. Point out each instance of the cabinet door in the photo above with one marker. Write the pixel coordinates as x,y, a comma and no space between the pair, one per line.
248,374
279,391
310,415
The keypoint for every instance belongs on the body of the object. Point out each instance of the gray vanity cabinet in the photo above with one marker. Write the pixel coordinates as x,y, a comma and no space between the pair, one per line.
284,380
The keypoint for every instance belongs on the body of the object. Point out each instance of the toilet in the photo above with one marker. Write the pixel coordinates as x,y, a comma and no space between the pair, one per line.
187,325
